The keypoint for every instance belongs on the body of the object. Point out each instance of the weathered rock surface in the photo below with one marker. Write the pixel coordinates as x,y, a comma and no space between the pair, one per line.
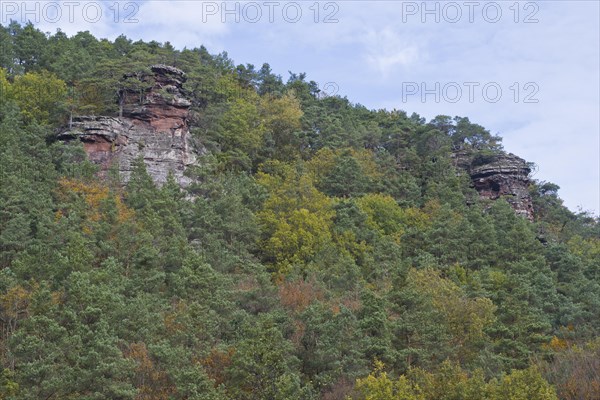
153,126
164,107
507,176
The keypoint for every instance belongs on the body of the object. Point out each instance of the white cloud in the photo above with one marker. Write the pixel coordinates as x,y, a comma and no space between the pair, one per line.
386,50
183,23
371,50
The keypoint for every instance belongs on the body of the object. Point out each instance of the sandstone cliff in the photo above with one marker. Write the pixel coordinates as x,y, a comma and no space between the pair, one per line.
502,175
153,126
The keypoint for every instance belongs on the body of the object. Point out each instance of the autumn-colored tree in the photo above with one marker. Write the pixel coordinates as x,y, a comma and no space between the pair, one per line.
240,133
282,120
4,86
466,318
379,386
451,382
317,236
296,220
151,382
523,385
573,369
40,96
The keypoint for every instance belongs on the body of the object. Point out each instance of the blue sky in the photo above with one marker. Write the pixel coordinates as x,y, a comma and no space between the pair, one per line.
528,71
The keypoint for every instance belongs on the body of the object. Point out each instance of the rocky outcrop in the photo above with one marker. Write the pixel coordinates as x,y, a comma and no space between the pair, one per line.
153,126
507,176
163,106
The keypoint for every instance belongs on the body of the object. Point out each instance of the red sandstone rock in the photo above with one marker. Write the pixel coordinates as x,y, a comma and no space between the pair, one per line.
506,176
153,126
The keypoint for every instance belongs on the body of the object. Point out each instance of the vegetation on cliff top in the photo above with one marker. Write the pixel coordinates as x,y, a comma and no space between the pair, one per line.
329,251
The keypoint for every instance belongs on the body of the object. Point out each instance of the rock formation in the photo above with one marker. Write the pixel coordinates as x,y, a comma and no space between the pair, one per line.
504,175
153,126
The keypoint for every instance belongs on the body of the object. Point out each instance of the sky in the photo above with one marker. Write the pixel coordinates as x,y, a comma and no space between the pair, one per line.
526,70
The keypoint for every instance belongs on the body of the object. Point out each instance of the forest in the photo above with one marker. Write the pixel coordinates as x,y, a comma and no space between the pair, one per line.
322,251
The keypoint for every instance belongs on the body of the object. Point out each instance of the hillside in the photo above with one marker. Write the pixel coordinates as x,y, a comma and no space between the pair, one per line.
175,226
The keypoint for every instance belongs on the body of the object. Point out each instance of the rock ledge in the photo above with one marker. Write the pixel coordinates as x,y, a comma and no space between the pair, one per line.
153,125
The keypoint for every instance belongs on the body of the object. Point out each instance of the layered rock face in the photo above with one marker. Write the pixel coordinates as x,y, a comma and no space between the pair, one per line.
163,106
505,176
153,126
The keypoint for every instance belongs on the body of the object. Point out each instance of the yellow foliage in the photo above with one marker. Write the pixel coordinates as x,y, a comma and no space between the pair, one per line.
57,297
575,369
228,86
124,213
387,217
281,114
432,208
15,303
93,194
557,344
296,218
450,381
378,386
4,86
465,317
384,214
367,163
499,279
39,95
348,243
241,126
527,384
321,163
281,119
296,237
586,248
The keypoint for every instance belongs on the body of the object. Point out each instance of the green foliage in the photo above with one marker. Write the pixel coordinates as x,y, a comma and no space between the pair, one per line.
262,365
25,185
4,87
574,369
378,386
8,386
522,385
295,219
240,133
451,382
40,96
318,237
